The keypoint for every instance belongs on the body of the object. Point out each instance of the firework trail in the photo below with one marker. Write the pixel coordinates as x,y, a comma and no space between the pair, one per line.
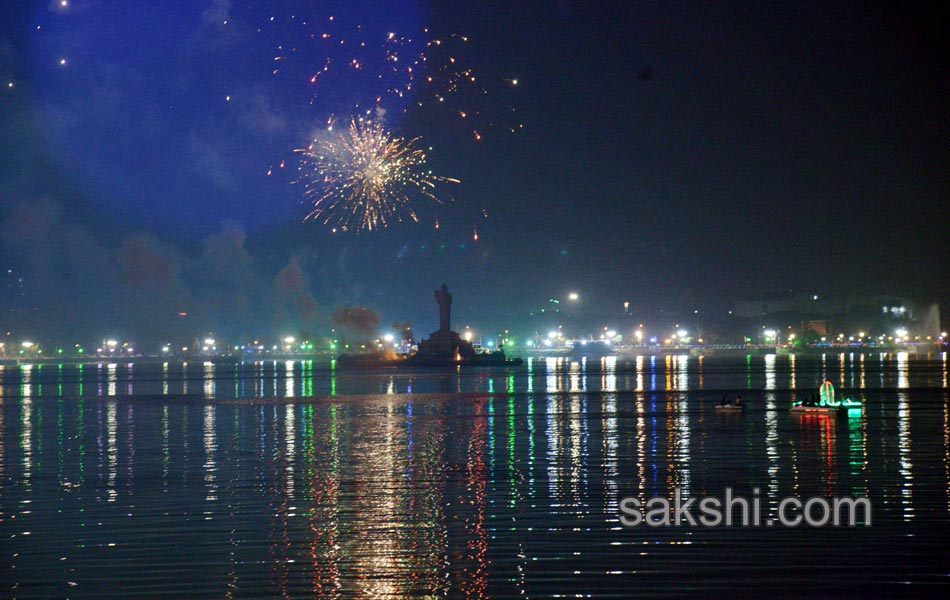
365,178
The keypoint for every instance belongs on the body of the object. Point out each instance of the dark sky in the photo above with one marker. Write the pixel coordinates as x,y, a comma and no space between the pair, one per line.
668,154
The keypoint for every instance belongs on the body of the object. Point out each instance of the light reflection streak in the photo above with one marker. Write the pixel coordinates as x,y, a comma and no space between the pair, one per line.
943,356
130,446
289,381
26,384
164,378
550,367
817,451
577,437
554,445
531,443
209,380
857,453
611,462
324,514
771,450
882,359
112,449
166,447
474,557
641,447
903,451
639,373
682,445
375,552
210,447
512,460
946,446
791,370
903,381
682,370
530,375
259,379
769,371
699,368
668,370
308,378
850,371
112,379
26,425
576,379
609,383
842,370
653,373
290,454
862,382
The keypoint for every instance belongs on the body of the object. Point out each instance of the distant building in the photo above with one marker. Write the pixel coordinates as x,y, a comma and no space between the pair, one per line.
789,302
827,315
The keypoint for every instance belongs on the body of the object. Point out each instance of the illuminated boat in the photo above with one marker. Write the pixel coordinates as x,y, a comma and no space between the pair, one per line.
828,404
730,408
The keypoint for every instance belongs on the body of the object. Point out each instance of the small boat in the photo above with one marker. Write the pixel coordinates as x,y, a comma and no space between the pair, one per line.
730,408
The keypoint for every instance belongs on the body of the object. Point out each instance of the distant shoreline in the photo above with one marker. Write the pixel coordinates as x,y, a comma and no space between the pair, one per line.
621,353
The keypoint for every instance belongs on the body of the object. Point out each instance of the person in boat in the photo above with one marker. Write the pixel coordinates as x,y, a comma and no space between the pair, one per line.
723,402
737,401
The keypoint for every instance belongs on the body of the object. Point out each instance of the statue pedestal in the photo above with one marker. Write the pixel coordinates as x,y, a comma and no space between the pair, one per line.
445,344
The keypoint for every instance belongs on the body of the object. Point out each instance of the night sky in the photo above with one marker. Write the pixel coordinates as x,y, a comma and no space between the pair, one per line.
674,155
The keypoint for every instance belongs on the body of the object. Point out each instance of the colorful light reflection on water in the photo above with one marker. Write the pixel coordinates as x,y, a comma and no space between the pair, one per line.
293,479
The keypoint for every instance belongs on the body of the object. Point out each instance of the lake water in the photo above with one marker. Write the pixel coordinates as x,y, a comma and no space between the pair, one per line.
295,479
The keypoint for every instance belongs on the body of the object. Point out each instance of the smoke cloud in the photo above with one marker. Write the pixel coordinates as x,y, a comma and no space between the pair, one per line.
358,319
77,287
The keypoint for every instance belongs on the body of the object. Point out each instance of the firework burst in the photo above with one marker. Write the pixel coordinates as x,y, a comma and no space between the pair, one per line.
365,178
